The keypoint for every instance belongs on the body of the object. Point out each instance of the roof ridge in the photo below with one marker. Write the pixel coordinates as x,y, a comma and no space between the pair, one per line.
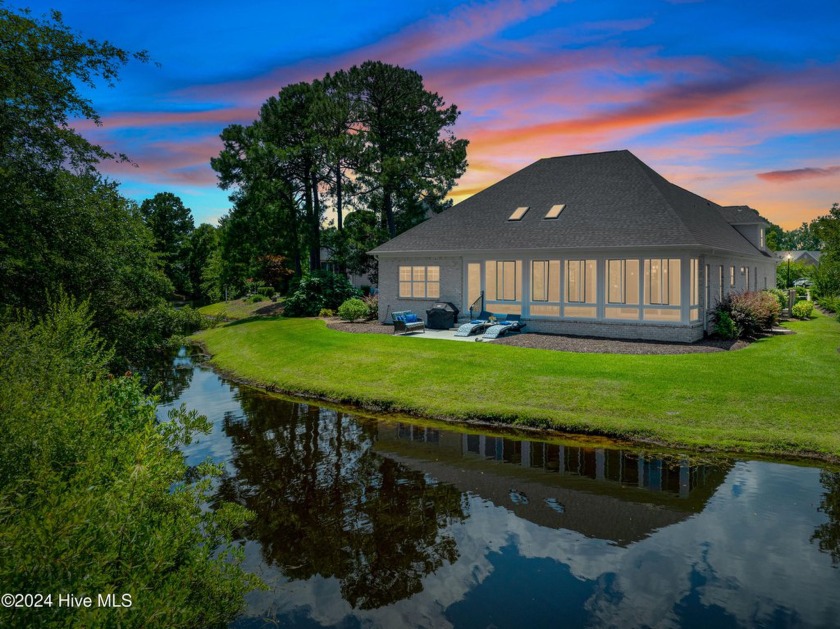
646,171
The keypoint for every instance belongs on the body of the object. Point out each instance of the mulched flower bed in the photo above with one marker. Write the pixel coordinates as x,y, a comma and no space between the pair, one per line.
582,344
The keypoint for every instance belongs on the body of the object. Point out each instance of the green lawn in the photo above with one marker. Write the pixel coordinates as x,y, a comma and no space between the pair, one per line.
233,310
779,395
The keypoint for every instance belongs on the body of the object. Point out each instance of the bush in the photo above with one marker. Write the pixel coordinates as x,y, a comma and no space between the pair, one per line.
830,303
372,303
86,464
803,309
256,298
143,336
725,327
751,312
326,312
781,295
353,309
316,291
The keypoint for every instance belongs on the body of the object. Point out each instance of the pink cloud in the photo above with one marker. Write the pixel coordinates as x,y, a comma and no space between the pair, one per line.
783,176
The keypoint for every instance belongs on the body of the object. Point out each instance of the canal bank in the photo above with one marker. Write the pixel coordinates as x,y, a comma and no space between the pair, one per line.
777,397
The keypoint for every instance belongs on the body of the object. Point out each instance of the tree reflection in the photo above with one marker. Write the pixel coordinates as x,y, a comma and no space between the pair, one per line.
328,505
828,535
167,376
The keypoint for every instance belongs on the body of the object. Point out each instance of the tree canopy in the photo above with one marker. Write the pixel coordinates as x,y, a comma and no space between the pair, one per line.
370,138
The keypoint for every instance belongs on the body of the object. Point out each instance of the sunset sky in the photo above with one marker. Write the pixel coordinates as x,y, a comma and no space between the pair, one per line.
737,101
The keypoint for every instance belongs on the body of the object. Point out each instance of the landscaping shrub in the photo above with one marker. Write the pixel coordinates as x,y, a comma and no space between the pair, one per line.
353,309
781,295
750,311
326,312
725,327
803,309
253,299
318,290
372,303
830,303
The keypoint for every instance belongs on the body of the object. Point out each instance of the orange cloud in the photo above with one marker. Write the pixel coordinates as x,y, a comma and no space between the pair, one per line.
783,176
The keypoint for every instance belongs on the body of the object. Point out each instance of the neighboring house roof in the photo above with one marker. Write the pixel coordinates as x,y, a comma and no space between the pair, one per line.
809,257
611,200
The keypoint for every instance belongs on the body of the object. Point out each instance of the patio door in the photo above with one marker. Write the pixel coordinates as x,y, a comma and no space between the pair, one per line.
474,289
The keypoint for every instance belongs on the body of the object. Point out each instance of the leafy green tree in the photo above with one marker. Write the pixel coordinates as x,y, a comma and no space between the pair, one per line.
42,63
409,158
95,494
200,245
171,224
827,228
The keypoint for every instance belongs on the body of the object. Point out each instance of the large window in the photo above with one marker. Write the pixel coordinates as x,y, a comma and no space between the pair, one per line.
662,281
720,285
581,280
623,282
420,282
545,280
503,280
731,277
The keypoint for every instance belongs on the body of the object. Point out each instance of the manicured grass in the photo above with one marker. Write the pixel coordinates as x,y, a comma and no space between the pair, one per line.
779,395
233,310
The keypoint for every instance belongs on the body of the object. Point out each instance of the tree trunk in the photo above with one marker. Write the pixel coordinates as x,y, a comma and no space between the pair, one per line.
340,219
314,225
388,209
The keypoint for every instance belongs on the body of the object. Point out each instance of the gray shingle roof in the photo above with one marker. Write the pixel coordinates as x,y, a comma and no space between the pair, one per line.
612,199
741,215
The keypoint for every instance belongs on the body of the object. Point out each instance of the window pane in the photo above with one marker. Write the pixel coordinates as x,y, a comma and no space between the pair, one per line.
655,281
580,311
510,281
405,273
674,283
473,281
545,311
539,271
433,273
621,313
573,281
433,290
419,289
419,273
490,280
554,280
405,289
662,314
591,295
615,293
631,282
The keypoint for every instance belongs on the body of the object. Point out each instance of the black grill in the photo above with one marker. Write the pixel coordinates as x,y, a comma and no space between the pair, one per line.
442,316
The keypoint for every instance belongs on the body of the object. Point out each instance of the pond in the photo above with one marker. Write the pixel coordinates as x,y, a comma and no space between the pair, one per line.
365,521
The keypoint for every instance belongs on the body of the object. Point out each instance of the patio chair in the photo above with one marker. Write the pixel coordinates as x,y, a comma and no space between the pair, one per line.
511,323
476,325
406,321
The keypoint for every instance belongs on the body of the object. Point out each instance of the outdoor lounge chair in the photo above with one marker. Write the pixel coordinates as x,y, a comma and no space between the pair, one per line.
406,321
476,325
511,323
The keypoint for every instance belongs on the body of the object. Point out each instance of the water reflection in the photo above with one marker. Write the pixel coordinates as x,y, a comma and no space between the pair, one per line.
328,505
376,523
827,534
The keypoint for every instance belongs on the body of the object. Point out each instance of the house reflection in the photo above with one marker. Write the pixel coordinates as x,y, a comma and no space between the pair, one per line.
612,494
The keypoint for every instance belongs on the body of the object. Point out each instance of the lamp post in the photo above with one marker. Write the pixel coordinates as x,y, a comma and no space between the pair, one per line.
788,270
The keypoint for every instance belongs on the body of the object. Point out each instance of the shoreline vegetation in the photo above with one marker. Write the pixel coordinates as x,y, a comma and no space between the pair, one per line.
776,397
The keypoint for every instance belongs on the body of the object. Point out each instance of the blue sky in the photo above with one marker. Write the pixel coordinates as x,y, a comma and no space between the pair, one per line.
737,101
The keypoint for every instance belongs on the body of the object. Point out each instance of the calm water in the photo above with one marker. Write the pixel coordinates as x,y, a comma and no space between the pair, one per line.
366,522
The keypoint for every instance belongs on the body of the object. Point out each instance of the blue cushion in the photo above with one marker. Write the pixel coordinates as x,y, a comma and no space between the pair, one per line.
411,318
476,321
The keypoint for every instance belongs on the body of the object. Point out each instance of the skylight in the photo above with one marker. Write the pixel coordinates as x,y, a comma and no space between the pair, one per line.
518,213
555,210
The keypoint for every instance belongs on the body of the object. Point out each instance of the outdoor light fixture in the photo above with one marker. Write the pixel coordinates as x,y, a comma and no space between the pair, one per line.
788,271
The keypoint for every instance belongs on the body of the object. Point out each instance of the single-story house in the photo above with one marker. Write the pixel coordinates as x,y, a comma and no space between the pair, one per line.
596,244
